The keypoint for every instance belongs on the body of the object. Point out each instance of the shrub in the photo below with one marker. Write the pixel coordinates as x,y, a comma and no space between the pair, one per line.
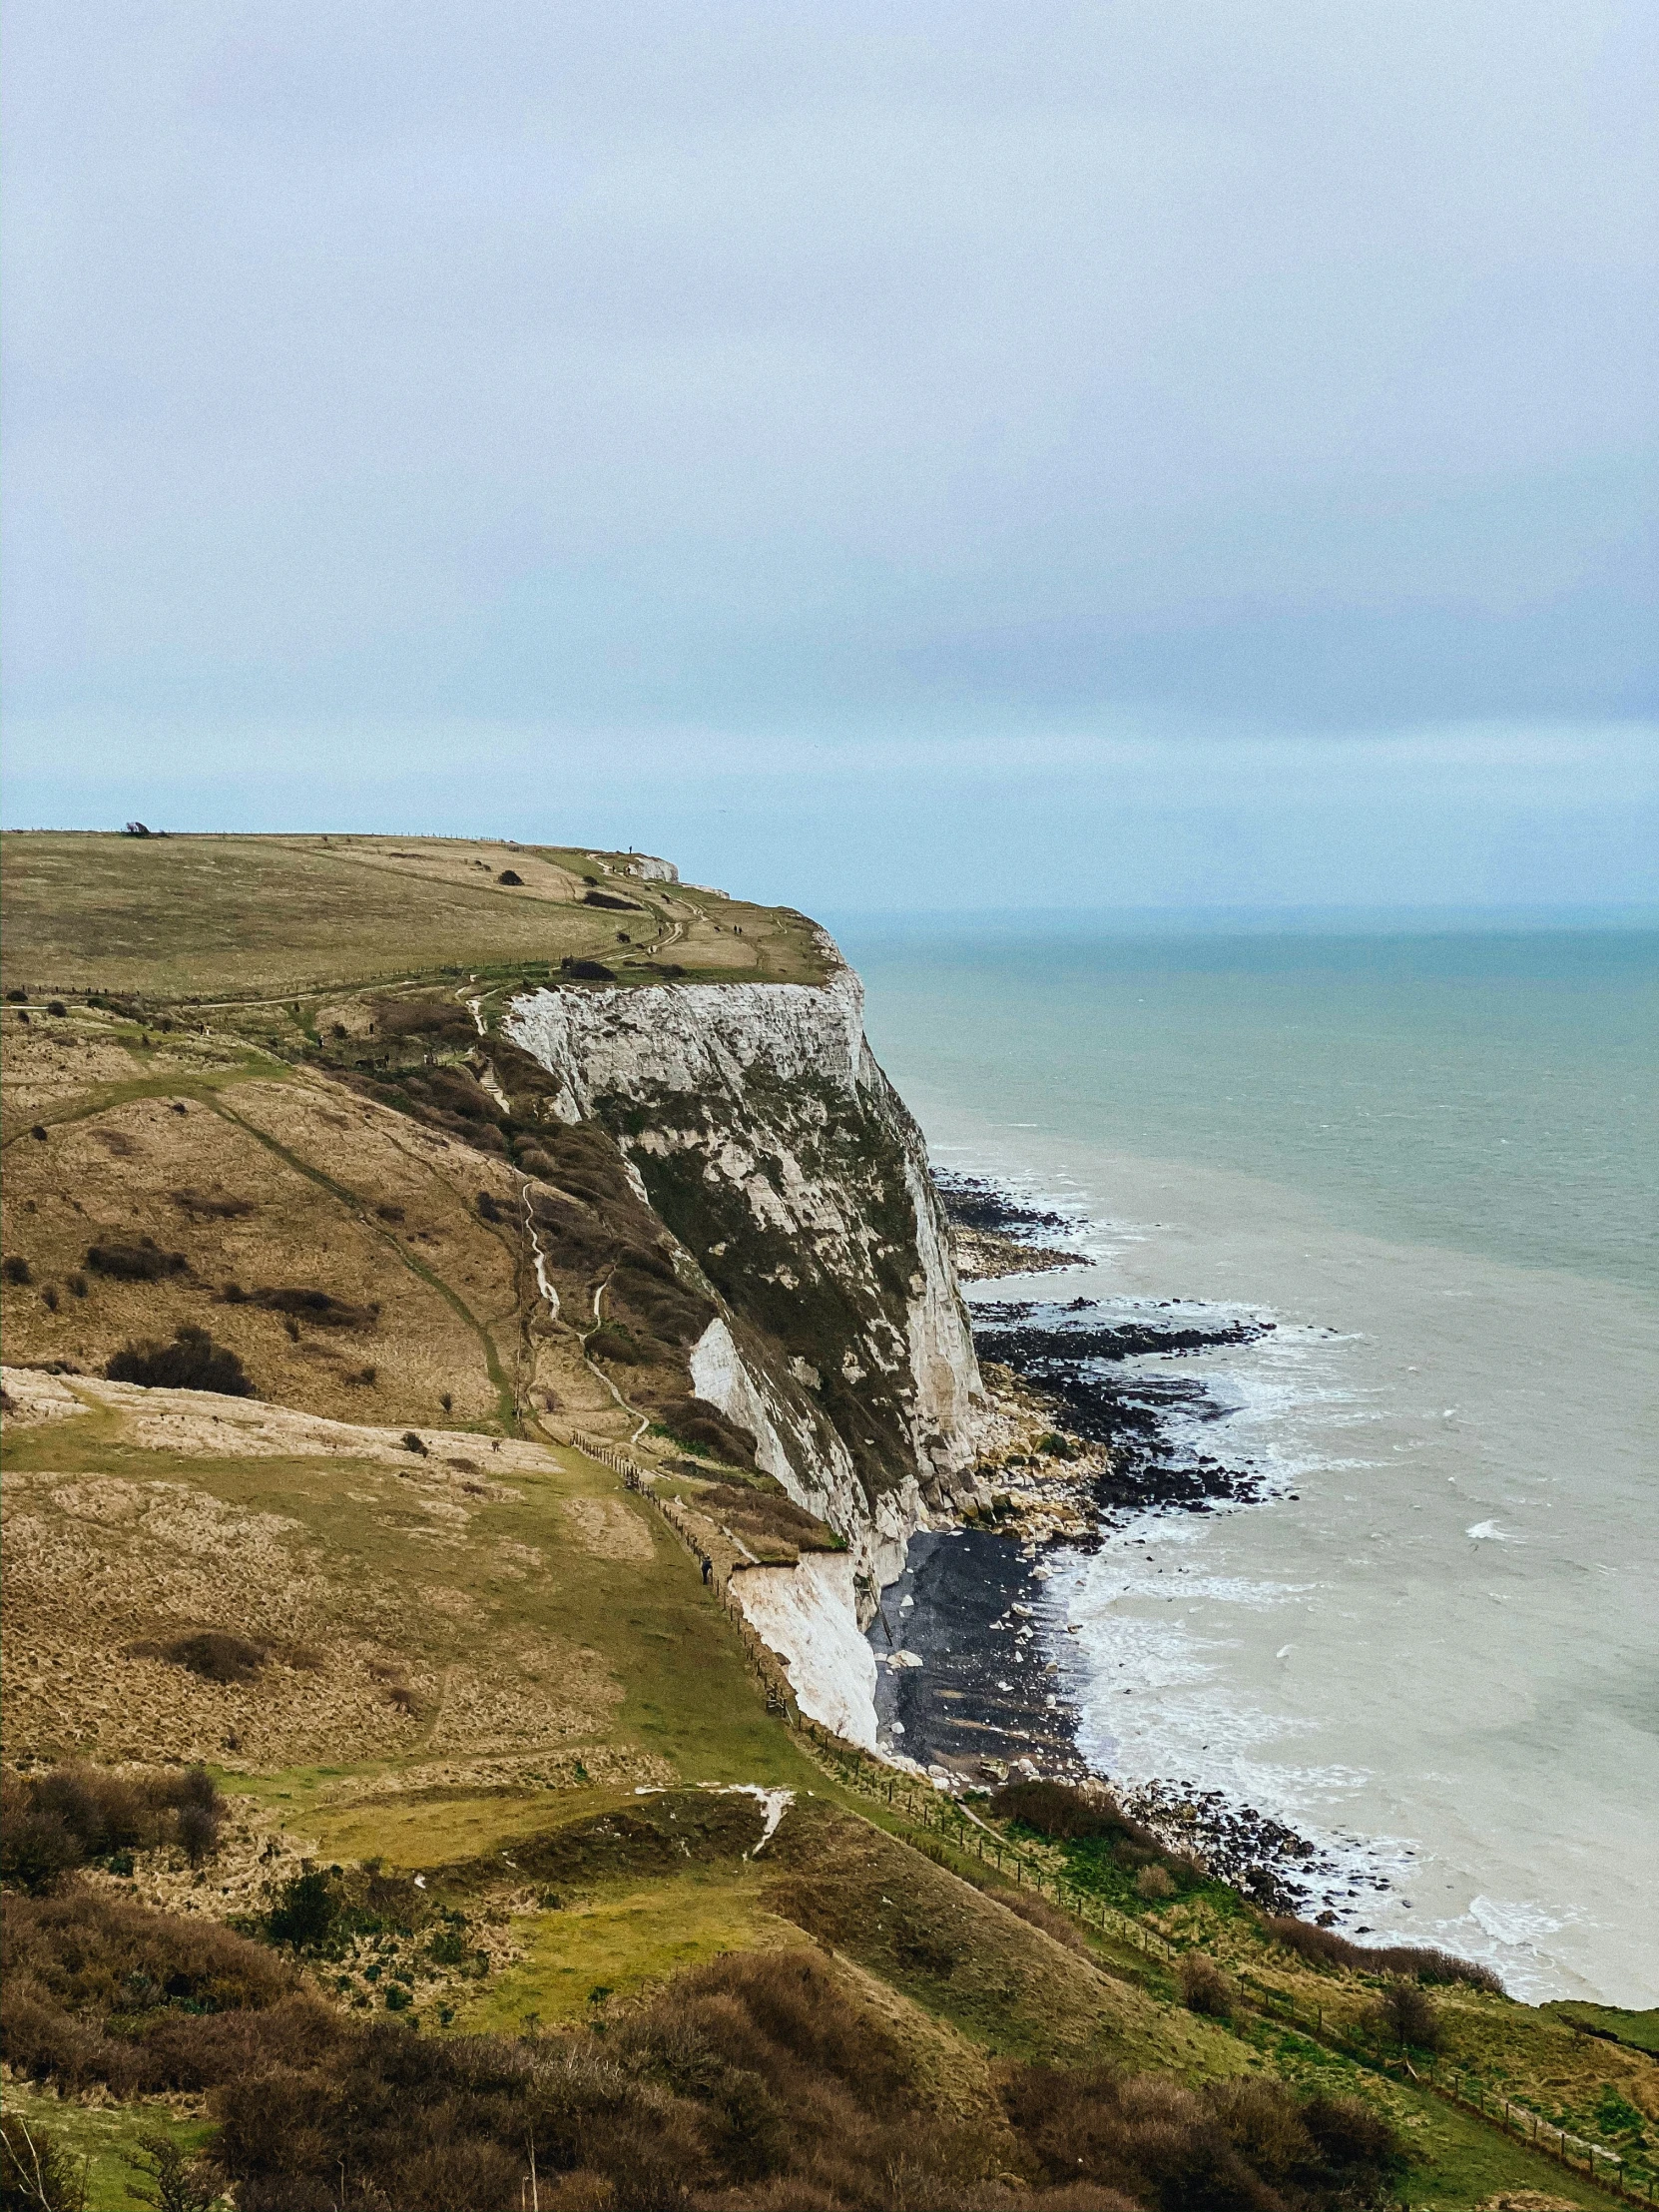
1056,1810
49,1298
321,1308
202,1207
618,1344
1204,1987
37,2172
214,1655
16,1269
17,998
192,1362
588,971
1408,2016
510,876
143,1262
489,1209
1234,2148
100,1989
56,1007
180,2183
751,2080
1322,1946
412,1442
77,1284
307,1911
72,1815
1153,1885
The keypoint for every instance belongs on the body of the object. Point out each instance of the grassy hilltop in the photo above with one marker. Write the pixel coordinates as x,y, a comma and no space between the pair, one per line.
233,918
361,1697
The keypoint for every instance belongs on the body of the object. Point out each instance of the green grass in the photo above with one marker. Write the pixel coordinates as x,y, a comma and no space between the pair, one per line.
687,1692
1640,2031
103,2135
622,1942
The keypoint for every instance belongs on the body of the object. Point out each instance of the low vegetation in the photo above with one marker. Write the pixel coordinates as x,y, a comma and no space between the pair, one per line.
192,1362
758,2079
86,1816
1322,1946
445,1896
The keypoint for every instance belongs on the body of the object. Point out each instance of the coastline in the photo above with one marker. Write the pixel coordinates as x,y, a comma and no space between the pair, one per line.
972,1711
1247,1697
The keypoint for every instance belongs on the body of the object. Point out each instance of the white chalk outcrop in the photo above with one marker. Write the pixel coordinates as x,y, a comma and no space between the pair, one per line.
779,1154
809,1615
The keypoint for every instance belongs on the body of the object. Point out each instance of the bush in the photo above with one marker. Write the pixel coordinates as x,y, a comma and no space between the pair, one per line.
192,1362
511,876
751,2080
77,1284
214,1654
321,1308
1204,1987
144,1261
307,1913
489,1209
1234,2148
76,1815
1153,1885
1404,2014
180,2183
200,1206
1056,1810
37,2172
16,1269
1322,1946
56,1007
99,1989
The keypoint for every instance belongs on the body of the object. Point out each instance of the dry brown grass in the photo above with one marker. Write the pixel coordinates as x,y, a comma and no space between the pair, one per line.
212,915
264,1225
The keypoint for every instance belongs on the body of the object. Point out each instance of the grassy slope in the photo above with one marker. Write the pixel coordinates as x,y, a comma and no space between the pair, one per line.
555,1643
237,918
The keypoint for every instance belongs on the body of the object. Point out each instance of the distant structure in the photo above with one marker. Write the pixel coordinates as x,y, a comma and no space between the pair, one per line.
644,869
136,830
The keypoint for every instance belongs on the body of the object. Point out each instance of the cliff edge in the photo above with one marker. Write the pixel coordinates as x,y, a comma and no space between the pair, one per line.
788,1171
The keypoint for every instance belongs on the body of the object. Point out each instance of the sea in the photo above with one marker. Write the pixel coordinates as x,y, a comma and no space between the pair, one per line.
1422,1163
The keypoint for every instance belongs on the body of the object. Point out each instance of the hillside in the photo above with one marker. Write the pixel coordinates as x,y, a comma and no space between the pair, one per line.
563,1332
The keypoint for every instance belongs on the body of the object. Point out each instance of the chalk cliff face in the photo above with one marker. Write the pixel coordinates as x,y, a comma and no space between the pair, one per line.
773,1147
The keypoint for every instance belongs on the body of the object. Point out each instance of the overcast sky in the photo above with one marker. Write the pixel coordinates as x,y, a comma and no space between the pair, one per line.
880,455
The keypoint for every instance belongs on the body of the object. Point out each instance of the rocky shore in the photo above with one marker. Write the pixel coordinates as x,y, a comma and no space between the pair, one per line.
993,1235
1080,1432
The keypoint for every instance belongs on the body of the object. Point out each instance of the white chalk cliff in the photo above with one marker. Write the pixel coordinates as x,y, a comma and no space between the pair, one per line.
782,1159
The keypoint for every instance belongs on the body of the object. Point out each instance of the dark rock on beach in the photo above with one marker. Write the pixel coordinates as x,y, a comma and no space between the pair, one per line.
1079,1363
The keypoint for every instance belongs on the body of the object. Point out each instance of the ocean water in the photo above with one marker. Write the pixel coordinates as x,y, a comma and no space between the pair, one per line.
1431,1160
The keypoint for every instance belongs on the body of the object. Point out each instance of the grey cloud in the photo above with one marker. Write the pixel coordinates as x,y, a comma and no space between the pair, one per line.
832,369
